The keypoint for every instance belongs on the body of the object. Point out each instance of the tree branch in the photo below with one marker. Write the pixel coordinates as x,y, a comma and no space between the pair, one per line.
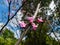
9,3
11,17
24,33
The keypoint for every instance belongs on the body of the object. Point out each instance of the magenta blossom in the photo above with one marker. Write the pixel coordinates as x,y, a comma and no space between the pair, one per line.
8,0
39,20
31,19
34,26
22,24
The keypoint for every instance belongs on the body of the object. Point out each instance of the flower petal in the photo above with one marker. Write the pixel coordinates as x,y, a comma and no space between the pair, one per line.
22,24
31,19
34,26
39,20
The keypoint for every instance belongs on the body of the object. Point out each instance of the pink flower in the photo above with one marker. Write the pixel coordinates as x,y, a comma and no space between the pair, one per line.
34,26
24,0
39,20
8,0
31,19
22,24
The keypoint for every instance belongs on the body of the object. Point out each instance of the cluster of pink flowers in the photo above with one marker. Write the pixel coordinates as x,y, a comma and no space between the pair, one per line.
31,20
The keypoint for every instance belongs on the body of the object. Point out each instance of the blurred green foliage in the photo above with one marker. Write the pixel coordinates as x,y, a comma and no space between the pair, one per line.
7,38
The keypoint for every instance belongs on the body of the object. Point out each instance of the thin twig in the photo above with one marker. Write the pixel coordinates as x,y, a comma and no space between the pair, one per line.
9,9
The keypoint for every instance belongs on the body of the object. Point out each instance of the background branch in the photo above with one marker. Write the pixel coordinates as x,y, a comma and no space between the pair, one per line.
52,31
